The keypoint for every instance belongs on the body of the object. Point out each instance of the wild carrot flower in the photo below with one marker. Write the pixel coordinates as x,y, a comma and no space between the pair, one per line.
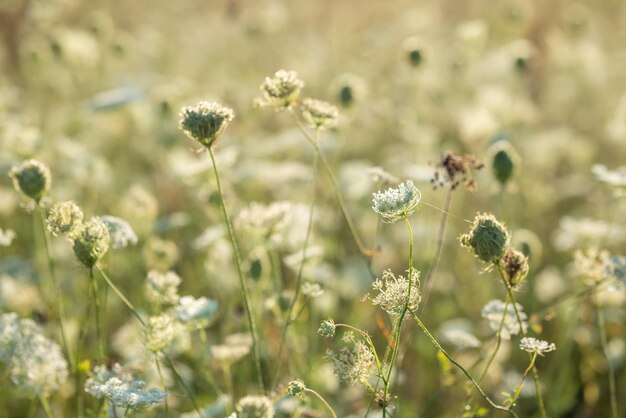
488,238
319,114
515,266
494,311
454,168
354,362
296,388
205,121
64,217
394,204
6,237
198,313
615,178
393,292
255,407
327,328
533,345
90,242
282,90
32,178
158,332
162,288
312,290
121,233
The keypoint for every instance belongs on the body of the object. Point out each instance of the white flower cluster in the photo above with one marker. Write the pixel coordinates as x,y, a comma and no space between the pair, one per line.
121,233
158,332
533,345
393,292
281,90
394,204
495,313
265,220
35,363
354,362
121,389
235,347
614,178
319,114
255,407
162,288
198,313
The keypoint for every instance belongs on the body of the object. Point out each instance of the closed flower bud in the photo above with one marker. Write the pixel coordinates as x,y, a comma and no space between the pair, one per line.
90,242
64,217
205,121
488,238
504,159
296,388
32,178
515,265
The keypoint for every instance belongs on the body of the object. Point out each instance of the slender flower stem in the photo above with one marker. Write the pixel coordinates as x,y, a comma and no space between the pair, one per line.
119,293
518,389
465,372
405,309
96,297
432,270
298,284
609,364
337,191
158,365
535,374
242,279
191,395
321,398
58,293
46,407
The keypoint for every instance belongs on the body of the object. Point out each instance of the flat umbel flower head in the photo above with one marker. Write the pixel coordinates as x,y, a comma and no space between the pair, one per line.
494,312
255,407
158,332
533,345
162,288
64,217
90,242
205,121
319,114
354,362
199,313
393,292
397,203
32,178
488,238
282,90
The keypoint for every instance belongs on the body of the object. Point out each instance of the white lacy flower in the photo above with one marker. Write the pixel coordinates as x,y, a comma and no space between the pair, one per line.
162,288
394,204
199,313
121,233
533,345
494,312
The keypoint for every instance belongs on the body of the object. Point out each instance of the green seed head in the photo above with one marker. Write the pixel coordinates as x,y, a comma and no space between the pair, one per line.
488,238
205,121
32,178
327,328
503,161
90,242
296,388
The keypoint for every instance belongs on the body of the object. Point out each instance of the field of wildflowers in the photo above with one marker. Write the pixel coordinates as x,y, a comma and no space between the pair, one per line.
307,209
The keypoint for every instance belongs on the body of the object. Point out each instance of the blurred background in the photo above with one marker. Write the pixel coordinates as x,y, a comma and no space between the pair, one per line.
93,90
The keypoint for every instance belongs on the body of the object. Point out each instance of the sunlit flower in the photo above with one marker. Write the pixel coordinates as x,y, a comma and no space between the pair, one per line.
394,204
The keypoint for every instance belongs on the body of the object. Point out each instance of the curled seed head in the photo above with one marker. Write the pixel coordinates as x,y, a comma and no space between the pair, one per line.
488,238
32,178
327,328
90,242
296,388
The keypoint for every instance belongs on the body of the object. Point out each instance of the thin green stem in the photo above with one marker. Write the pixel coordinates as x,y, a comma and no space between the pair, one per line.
609,363
337,191
321,398
126,413
119,293
518,389
192,396
298,284
46,407
242,280
158,365
535,374
58,293
396,340
96,297
465,372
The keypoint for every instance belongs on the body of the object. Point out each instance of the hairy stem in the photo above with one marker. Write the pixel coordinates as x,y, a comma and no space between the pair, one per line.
242,279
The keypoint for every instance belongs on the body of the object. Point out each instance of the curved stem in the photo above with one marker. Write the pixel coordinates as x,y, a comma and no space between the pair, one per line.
321,398
58,293
432,270
242,280
603,342
298,284
518,389
465,372
119,293
96,297
396,341
337,191
535,374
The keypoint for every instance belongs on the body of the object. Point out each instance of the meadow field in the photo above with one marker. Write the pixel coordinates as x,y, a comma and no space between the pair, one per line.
308,209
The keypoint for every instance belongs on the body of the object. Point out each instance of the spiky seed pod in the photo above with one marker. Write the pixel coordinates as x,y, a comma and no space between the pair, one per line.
32,178
296,388
488,238
63,218
90,242
205,121
515,265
